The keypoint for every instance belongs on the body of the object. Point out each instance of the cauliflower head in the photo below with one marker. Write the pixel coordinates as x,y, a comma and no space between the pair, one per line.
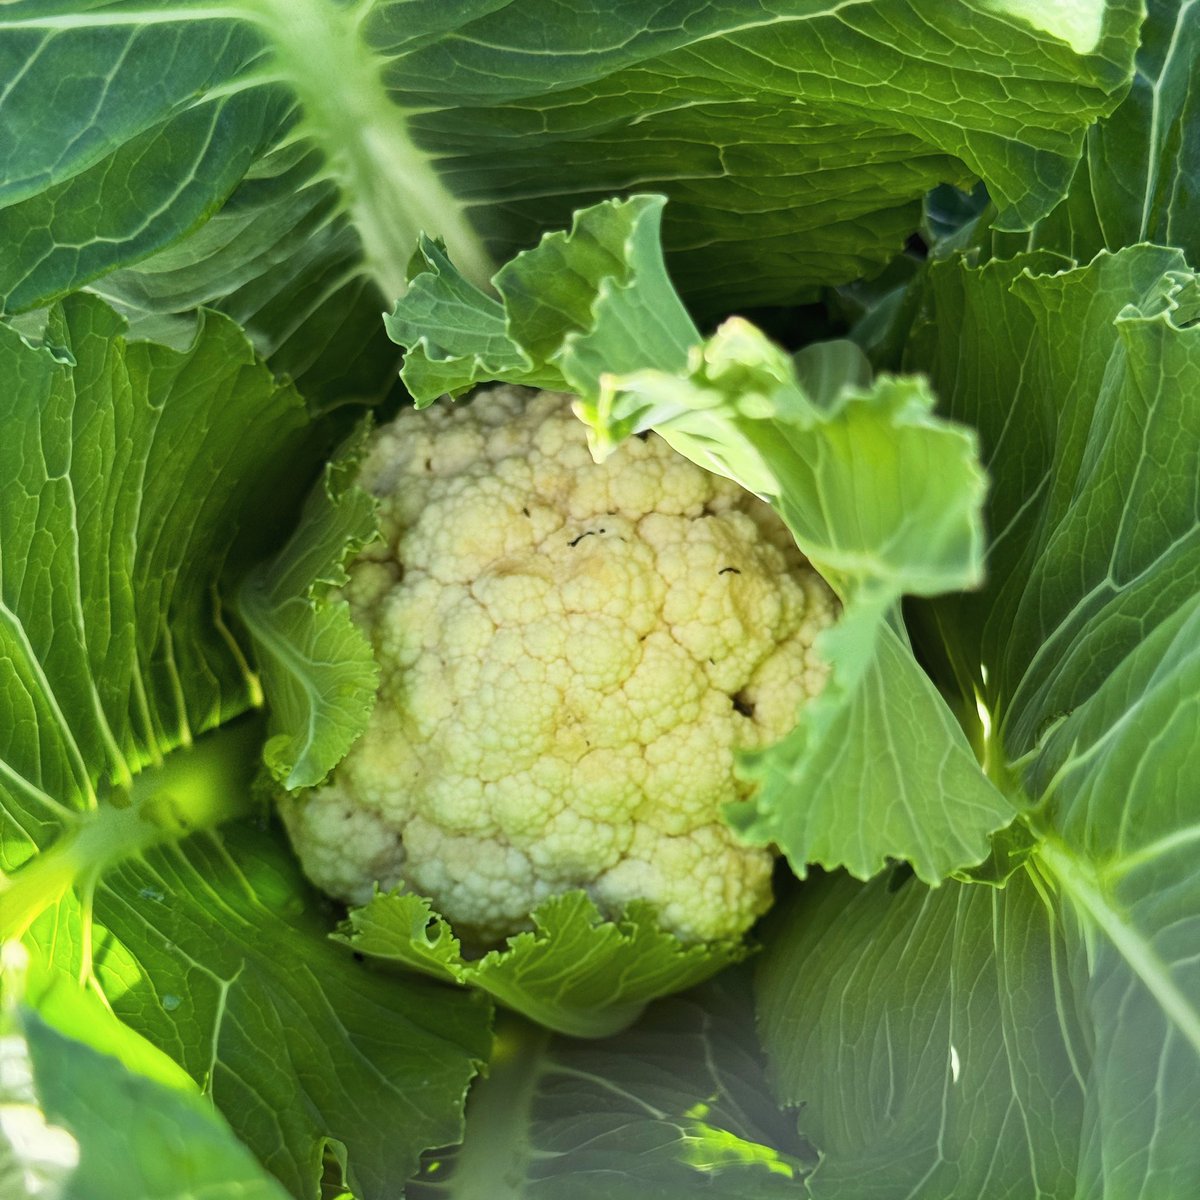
571,654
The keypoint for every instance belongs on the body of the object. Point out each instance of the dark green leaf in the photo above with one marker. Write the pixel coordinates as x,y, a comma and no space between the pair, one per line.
1139,178
278,160
673,1108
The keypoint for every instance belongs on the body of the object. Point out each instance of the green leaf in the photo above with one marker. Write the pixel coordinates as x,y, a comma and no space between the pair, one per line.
929,1039
136,480
138,486
278,159
1083,649
78,1123
455,333
877,768
1139,178
574,972
579,304
317,667
220,955
216,950
882,496
673,1108
1088,438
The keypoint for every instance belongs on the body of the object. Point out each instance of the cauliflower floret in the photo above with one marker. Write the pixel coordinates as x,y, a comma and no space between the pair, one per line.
571,656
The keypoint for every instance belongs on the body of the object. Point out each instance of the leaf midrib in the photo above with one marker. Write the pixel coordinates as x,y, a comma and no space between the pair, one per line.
1079,882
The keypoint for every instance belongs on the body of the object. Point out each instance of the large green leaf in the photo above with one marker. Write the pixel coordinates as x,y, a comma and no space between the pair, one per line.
1084,651
882,496
133,478
1082,384
673,1108
929,1039
218,952
79,1121
278,157
1139,178
1113,692
137,485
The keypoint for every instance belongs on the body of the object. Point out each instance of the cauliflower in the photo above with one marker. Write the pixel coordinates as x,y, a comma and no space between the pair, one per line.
571,655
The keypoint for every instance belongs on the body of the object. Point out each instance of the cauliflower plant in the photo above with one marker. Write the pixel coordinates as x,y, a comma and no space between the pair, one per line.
571,654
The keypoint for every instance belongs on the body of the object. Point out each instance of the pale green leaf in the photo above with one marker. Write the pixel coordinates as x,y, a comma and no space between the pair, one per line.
317,666
581,303
928,1038
883,498
573,972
